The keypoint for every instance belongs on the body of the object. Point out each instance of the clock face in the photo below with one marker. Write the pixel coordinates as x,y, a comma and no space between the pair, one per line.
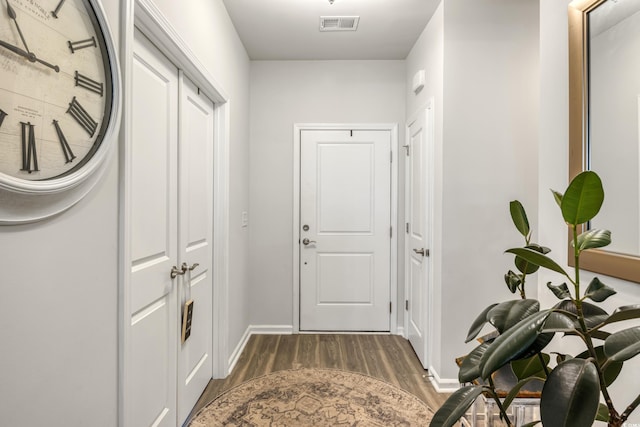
55,87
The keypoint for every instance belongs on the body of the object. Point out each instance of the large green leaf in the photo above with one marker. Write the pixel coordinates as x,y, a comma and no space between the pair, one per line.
612,369
583,199
560,322
455,406
623,345
537,258
519,217
512,343
470,367
593,239
570,395
593,315
506,314
598,291
626,312
477,325
527,267
538,345
530,367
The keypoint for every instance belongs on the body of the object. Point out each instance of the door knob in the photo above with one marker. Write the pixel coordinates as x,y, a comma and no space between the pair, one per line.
186,267
306,241
175,272
422,251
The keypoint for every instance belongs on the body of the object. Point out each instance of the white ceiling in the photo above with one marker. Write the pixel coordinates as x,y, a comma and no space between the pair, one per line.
289,29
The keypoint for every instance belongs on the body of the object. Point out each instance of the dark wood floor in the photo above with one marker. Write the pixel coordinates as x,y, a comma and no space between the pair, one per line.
387,357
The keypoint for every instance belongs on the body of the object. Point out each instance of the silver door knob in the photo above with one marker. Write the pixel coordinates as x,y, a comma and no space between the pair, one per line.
186,267
422,251
306,241
175,272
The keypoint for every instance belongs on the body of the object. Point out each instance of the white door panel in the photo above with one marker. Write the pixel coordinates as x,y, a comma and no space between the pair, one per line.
196,204
345,203
417,241
153,217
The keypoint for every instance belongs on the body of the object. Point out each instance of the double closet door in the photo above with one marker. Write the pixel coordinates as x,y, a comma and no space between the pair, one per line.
170,223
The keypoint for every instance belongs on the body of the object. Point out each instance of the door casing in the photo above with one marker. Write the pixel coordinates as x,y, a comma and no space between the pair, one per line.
393,130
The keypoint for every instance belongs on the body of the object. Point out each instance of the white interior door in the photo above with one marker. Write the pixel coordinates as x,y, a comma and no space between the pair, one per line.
154,248
345,221
195,234
417,241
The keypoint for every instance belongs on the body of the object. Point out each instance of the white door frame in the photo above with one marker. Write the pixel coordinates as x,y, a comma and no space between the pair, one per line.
427,111
146,16
393,130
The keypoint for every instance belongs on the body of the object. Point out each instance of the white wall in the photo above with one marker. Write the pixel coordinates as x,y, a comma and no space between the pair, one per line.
207,29
58,311
491,81
284,93
554,172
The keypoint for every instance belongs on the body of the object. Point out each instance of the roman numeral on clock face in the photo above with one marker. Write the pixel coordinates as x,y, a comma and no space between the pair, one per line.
66,150
29,154
82,44
89,84
58,7
82,117
2,116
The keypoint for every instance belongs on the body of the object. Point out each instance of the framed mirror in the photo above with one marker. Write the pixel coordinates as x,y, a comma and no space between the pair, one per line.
604,124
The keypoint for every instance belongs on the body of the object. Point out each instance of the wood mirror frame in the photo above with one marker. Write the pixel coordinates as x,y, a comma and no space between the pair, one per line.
614,264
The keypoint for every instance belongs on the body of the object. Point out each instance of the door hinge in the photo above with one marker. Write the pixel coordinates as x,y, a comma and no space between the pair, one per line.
391,232
391,156
407,147
407,226
406,304
390,305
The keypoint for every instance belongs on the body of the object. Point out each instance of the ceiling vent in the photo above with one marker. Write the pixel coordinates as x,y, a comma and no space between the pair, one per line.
339,23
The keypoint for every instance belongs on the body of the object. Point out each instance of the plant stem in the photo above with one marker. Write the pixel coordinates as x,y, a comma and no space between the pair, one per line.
498,402
630,409
544,365
613,414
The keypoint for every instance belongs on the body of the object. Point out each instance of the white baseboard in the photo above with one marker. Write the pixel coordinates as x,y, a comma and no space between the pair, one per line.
400,331
443,385
255,330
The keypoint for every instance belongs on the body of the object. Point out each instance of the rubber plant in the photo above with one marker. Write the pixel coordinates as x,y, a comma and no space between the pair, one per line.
576,390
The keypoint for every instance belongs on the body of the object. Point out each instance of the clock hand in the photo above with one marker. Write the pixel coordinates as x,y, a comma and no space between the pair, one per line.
12,15
16,49
53,67
30,56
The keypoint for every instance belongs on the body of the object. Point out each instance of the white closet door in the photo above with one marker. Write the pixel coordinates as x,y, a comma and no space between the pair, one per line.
345,216
195,242
154,247
417,241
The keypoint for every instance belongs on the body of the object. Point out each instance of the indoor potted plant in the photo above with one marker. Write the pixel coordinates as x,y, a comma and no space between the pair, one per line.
573,387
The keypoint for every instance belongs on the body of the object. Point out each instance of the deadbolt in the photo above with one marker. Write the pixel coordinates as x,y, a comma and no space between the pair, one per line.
305,227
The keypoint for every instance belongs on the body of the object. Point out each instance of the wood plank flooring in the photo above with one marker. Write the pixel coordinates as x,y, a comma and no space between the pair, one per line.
386,357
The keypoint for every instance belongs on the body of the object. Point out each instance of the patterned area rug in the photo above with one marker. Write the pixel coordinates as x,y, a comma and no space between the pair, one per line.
314,397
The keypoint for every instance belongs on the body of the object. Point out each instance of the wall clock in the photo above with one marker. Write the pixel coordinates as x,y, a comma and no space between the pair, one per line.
59,104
